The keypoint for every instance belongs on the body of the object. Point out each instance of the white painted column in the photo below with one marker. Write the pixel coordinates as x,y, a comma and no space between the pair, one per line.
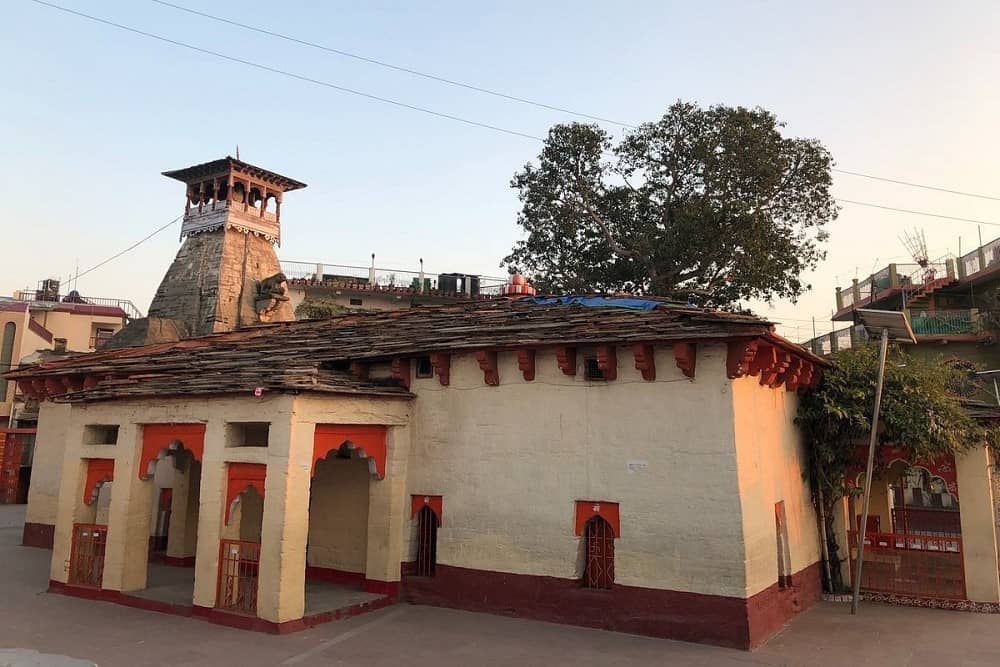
70,508
979,539
285,531
127,551
387,514
212,494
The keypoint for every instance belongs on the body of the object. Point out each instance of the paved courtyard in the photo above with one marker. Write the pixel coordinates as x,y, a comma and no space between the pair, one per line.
112,635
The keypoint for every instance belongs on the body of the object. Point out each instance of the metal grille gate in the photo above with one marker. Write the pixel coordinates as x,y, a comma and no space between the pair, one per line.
239,564
426,542
911,564
86,560
599,568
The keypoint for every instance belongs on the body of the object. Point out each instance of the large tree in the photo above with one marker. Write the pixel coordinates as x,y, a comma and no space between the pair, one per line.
713,202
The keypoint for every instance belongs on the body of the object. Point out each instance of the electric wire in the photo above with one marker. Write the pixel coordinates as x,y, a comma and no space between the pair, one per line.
388,65
128,249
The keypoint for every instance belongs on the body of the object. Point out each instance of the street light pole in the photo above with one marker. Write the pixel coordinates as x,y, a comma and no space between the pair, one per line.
863,528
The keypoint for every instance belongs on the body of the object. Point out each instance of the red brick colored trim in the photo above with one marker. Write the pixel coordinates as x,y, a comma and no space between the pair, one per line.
644,361
488,364
239,478
588,509
526,363
40,535
694,617
99,471
40,331
436,503
334,576
770,610
156,437
369,438
389,588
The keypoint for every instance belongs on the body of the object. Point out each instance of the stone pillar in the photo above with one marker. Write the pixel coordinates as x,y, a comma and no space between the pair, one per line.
71,508
979,540
127,550
387,515
182,534
285,531
211,497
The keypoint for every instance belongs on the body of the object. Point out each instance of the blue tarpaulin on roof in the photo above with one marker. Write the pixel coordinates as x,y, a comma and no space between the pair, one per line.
595,302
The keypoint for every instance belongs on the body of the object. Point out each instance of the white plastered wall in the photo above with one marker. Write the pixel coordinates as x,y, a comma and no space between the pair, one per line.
510,461
771,459
338,515
46,470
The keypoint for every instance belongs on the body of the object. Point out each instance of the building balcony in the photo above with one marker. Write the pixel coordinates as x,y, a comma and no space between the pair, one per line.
892,287
949,325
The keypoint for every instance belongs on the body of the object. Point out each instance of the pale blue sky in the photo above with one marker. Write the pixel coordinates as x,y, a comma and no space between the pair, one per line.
90,115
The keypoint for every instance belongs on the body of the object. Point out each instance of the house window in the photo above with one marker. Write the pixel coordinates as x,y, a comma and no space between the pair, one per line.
784,551
424,368
599,554
356,302
593,370
100,434
101,337
427,525
247,434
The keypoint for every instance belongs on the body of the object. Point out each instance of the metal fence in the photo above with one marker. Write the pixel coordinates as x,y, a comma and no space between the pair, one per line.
944,322
131,311
346,274
239,567
908,564
86,560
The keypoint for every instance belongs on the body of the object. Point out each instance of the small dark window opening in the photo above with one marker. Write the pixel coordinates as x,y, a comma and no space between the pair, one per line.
594,371
59,345
356,302
426,542
424,368
599,564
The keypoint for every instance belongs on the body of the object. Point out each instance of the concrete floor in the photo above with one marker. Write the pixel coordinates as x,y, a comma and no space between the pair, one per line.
175,585
112,635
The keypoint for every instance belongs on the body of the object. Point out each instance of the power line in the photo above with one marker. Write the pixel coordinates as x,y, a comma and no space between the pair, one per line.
404,105
130,248
908,183
282,72
506,96
912,212
388,65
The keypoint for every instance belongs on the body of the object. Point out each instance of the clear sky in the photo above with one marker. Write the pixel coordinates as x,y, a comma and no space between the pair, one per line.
90,116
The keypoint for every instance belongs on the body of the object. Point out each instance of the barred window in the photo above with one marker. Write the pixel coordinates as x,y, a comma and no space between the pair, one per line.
599,564
427,524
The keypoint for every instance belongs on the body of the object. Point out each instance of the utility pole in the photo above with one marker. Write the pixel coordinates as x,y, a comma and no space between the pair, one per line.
863,528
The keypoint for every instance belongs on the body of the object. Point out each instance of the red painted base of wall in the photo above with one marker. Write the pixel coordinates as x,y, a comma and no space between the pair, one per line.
38,535
389,588
332,576
695,617
218,616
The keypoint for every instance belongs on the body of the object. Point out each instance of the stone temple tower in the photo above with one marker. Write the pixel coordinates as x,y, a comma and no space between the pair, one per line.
226,274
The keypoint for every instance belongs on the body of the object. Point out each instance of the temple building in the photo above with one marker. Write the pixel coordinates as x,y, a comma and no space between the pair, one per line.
629,464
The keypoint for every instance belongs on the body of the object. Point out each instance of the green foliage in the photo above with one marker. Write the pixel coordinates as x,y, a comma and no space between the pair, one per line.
922,411
713,202
317,309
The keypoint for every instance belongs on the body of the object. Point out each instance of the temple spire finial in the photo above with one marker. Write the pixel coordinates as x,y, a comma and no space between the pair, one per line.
237,151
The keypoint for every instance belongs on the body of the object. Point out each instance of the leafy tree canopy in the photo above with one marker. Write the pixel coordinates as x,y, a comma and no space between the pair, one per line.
714,202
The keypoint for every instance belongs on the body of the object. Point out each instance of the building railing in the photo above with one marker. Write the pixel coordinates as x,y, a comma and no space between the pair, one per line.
840,339
945,322
131,311
389,279
892,277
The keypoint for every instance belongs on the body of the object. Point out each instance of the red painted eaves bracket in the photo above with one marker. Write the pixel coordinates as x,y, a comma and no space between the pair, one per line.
526,363
644,361
488,362
441,362
607,361
566,358
739,355
401,371
686,357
